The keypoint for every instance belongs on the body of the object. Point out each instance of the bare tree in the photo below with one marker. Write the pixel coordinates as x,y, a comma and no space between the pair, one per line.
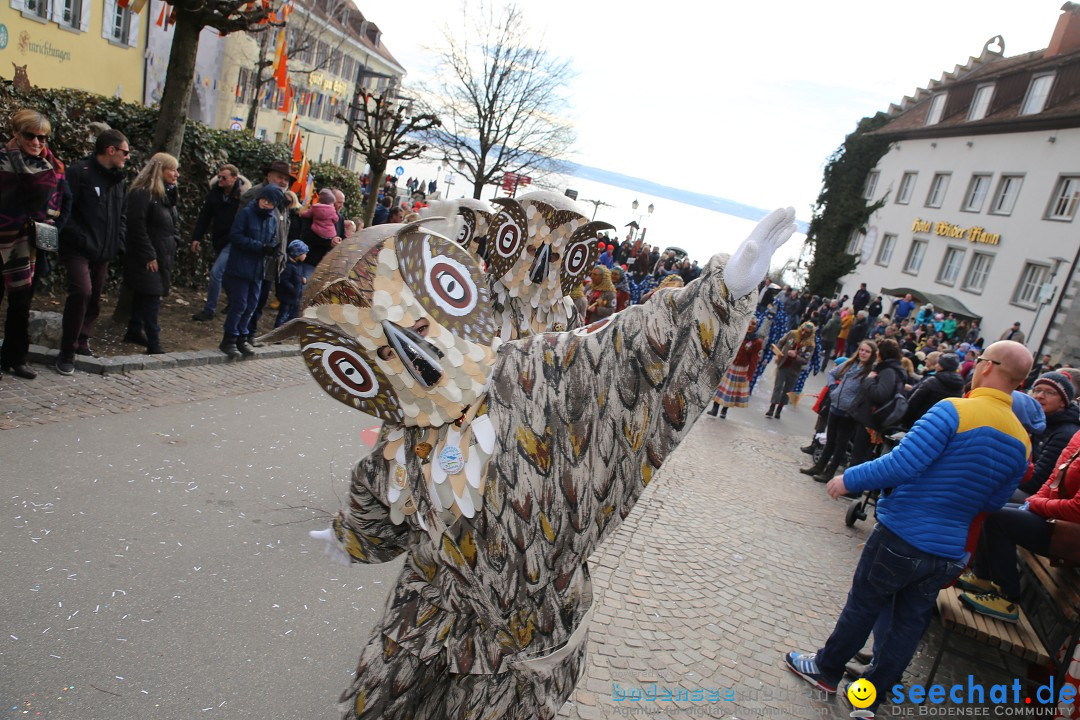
225,16
383,128
500,96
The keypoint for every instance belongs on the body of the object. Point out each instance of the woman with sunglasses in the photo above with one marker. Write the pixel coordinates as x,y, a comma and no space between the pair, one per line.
31,182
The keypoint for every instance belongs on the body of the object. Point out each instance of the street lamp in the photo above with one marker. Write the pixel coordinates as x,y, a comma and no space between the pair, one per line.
634,206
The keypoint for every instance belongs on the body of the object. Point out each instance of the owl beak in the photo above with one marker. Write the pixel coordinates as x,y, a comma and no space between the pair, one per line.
540,264
420,357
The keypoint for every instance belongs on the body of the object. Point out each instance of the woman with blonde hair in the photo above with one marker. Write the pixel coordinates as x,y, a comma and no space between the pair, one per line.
601,295
31,191
152,238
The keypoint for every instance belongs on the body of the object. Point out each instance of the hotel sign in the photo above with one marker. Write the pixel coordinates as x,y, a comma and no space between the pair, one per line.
975,233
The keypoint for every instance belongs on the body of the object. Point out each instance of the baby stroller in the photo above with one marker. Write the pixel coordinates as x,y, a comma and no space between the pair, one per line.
857,509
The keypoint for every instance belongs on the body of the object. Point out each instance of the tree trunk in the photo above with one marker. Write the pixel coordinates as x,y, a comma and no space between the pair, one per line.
253,111
378,175
179,80
477,189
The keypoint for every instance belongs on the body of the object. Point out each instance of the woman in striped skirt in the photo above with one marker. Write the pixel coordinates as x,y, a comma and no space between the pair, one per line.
734,388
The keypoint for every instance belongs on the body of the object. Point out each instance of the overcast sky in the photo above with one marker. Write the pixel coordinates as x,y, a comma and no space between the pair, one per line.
744,102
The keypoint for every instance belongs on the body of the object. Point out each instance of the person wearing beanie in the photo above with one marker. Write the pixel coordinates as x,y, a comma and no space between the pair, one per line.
253,238
291,282
945,382
1054,391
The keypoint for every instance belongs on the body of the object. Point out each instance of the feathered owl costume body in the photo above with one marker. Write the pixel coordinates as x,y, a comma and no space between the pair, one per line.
498,498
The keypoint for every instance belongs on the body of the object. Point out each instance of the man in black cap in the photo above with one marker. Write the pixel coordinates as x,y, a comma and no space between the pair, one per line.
1015,334
945,383
280,174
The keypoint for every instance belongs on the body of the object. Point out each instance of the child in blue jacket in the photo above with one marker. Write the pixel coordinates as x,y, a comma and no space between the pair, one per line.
290,284
252,238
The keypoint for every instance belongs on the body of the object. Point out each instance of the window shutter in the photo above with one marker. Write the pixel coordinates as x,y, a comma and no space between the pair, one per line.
56,11
107,19
133,29
84,20
17,5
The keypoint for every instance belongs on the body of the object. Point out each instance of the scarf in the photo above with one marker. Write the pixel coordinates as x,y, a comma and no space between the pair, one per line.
605,281
28,187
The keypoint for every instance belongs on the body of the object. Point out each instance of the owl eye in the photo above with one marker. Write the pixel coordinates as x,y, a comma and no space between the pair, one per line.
464,235
576,258
508,239
350,372
451,285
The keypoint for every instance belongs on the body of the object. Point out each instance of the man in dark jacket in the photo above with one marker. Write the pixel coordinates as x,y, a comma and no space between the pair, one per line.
945,383
382,211
217,214
858,331
280,174
93,236
1054,392
861,298
874,308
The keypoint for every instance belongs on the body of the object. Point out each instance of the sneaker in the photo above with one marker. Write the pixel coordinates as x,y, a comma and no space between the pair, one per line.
203,315
65,365
974,584
805,666
992,605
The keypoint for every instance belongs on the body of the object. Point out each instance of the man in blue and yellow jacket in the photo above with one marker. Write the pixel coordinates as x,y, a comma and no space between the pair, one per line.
963,457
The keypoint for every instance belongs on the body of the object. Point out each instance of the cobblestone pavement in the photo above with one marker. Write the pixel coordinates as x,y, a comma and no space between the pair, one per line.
730,559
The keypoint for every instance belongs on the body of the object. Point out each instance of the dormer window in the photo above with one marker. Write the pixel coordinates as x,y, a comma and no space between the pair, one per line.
937,107
1037,94
981,102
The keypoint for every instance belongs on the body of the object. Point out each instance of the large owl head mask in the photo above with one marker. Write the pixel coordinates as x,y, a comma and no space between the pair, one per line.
398,323
541,246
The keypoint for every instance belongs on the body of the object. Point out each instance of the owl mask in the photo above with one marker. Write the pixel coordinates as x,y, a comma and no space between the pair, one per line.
540,247
398,323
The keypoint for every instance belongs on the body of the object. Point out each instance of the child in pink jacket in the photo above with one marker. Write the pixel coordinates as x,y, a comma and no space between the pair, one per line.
323,216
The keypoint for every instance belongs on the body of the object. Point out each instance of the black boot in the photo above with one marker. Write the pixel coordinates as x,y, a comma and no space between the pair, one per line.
827,474
715,408
242,345
228,346
251,341
770,411
809,449
723,412
813,469
778,409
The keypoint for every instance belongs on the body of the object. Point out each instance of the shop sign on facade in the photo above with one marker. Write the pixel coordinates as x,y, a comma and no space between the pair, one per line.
975,233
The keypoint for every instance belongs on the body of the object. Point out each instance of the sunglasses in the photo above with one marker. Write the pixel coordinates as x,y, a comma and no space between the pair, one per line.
125,152
986,359
28,136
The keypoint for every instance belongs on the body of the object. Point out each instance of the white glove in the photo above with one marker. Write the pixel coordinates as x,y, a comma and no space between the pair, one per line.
750,262
333,548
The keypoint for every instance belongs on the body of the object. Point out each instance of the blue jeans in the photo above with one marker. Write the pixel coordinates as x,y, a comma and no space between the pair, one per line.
243,296
893,573
213,291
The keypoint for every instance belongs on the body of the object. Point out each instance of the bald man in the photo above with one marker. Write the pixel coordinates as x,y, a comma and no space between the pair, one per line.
964,456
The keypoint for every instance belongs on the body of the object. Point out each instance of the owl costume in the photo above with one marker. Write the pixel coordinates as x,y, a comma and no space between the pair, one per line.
500,466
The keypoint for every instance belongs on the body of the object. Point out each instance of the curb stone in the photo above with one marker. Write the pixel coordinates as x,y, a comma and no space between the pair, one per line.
131,363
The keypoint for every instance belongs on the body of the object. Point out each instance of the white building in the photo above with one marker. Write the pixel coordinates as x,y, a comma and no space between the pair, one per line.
980,187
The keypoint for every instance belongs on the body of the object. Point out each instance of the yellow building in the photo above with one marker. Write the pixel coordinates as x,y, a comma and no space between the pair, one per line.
91,45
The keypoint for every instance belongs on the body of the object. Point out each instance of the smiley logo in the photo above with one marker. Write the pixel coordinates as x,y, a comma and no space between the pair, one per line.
862,693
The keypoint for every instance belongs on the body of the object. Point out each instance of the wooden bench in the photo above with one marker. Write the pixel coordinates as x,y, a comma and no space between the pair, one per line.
1049,618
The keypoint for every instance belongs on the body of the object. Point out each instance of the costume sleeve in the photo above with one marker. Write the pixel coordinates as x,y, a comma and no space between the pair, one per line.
364,528
919,449
596,412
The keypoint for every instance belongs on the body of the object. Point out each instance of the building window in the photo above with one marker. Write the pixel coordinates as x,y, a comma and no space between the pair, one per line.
907,187
950,266
871,185
981,102
1031,282
36,8
976,194
1066,196
1037,93
120,28
938,186
915,257
937,107
71,13
978,271
884,253
854,243
1005,197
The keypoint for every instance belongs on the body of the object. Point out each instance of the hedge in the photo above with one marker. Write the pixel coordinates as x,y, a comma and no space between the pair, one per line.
205,150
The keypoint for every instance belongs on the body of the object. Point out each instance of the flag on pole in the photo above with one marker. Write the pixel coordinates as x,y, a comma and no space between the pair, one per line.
161,16
281,74
297,153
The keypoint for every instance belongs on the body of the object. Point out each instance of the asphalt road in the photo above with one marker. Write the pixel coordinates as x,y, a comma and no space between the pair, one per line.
156,563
